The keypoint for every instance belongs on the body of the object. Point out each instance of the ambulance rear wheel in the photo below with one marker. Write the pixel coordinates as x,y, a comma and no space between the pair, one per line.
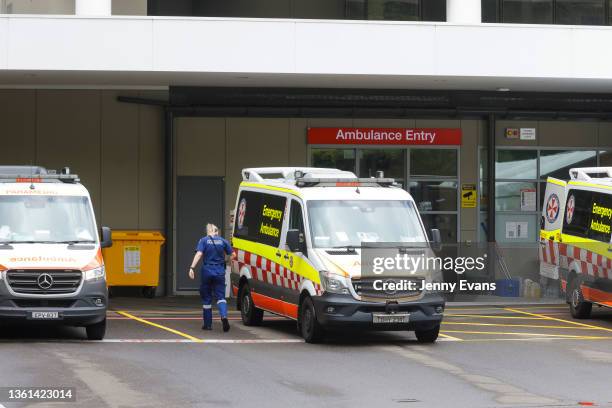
310,329
251,315
579,308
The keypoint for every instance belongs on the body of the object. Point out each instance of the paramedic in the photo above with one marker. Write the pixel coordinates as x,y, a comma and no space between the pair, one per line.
212,249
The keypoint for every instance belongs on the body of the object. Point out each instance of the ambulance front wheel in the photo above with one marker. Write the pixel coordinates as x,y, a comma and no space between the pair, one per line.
309,326
251,315
96,331
428,336
579,308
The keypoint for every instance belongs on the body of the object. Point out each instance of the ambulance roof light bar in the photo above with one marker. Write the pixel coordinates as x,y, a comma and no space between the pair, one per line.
36,174
290,174
582,173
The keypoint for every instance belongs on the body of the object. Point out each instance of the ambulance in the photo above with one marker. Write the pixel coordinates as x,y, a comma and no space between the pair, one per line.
575,247
51,266
299,234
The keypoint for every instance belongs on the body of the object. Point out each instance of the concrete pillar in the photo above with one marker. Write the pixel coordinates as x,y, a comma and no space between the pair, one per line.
463,11
93,7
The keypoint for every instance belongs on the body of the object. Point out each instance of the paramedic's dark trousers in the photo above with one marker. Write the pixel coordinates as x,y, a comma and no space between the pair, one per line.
213,283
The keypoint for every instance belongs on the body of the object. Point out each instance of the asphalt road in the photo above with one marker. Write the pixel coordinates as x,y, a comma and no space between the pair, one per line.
155,355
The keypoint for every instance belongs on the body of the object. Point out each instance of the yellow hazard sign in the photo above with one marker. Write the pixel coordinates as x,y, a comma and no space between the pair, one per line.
468,196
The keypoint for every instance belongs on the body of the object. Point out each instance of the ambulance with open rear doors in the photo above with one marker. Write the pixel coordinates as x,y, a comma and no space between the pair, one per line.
575,245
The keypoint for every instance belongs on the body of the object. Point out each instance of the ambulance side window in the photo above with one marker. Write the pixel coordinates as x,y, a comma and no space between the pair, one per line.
259,217
577,215
588,214
601,217
296,219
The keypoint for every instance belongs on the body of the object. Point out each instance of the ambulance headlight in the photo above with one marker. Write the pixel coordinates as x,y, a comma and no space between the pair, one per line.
334,283
96,274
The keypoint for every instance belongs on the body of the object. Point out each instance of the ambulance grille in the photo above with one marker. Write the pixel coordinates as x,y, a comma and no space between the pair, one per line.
27,281
365,289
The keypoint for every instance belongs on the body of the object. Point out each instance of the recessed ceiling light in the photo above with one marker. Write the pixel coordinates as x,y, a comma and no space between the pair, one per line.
503,89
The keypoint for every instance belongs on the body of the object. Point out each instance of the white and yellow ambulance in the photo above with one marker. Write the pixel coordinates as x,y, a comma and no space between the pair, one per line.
51,266
575,245
298,235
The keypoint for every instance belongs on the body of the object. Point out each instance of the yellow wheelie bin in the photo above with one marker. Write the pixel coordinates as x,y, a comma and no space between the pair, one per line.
133,260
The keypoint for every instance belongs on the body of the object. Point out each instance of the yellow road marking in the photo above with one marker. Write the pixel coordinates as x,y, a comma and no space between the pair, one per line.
492,316
569,336
461,308
450,337
558,320
535,326
539,338
159,326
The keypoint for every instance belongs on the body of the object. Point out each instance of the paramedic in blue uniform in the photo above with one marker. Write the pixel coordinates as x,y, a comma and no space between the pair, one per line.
212,249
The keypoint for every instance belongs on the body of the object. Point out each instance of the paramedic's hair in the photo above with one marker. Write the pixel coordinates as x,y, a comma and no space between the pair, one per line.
212,230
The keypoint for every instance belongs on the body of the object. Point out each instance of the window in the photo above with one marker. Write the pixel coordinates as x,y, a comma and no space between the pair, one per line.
587,215
343,159
556,163
399,10
516,164
392,162
527,11
583,12
579,12
259,217
433,162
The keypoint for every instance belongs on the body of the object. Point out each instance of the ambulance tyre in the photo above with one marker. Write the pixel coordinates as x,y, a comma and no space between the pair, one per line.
310,329
251,315
579,308
96,331
427,336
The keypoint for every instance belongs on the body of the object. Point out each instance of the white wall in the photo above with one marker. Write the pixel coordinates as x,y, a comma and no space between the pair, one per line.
208,45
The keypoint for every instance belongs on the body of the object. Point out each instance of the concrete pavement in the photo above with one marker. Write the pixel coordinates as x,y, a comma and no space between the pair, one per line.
155,355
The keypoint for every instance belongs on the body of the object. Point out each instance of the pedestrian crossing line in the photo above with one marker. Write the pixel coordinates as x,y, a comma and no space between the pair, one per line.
159,326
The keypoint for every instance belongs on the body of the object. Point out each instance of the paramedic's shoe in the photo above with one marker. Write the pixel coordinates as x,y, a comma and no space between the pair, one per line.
226,325
206,328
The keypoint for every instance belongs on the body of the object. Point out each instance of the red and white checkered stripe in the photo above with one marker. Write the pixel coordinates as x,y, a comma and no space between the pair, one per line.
591,263
265,270
549,252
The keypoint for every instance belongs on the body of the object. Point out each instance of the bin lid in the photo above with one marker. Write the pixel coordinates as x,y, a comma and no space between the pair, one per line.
137,236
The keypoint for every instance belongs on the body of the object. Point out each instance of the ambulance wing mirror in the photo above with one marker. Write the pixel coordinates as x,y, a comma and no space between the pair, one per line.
107,238
436,239
295,240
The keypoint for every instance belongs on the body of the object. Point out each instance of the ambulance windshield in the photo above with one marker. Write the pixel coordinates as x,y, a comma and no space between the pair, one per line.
350,223
46,219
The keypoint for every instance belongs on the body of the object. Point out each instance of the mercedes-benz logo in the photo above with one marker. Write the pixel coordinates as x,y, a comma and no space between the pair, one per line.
45,281
391,291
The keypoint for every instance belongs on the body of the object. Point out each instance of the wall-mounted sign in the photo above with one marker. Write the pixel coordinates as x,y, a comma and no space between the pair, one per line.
384,136
512,133
528,134
468,196
528,199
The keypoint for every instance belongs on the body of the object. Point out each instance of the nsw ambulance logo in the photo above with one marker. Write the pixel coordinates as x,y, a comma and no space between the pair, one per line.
569,211
241,212
552,208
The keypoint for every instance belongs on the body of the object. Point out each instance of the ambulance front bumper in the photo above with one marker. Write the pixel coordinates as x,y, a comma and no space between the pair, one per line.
85,307
343,311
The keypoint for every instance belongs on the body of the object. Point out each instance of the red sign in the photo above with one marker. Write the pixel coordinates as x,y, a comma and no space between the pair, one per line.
384,136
